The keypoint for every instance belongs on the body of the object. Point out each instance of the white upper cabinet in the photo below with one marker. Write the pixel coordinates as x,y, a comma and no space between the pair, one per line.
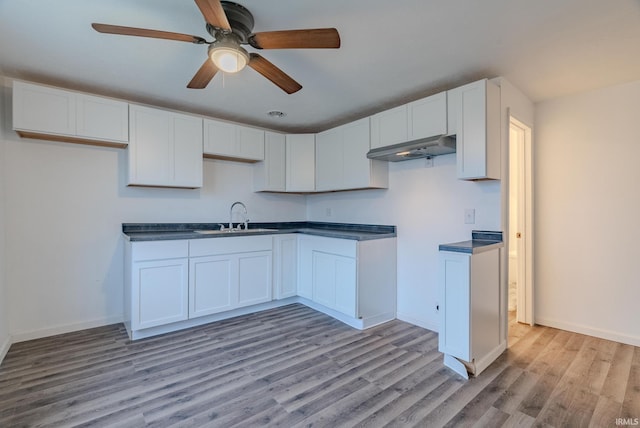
56,114
165,149
419,119
330,160
428,117
341,159
269,175
477,130
389,127
300,162
223,140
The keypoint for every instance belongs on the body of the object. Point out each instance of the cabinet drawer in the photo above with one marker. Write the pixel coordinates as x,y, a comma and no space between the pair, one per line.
230,245
340,247
159,250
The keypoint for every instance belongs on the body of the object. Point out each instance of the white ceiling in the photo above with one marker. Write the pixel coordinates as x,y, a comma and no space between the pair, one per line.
393,51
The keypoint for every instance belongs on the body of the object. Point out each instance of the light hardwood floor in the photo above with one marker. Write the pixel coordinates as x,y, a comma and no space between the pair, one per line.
293,366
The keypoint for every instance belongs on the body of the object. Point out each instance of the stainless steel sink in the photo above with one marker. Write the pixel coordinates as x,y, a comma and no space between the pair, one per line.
232,231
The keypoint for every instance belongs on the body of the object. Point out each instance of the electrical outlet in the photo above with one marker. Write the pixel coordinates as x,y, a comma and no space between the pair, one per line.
328,212
470,216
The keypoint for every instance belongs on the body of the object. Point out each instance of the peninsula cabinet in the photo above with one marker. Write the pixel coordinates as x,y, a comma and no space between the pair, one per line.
229,141
156,283
470,310
165,148
47,113
477,122
353,281
341,159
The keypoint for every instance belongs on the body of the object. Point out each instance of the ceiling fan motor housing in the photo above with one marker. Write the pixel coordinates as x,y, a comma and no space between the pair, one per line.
240,20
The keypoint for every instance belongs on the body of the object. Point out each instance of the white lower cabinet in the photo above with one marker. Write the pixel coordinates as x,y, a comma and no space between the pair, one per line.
285,266
229,273
334,282
470,310
354,278
156,282
211,286
171,285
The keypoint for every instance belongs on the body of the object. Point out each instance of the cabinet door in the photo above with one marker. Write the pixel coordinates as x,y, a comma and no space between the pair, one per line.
455,333
254,282
285,262
187,150
250,143
102,118
43,110
346,285
357,167
305,267
428,116
300,161
334,282
269,175
478,131
389,127
160,292
220,138
330,163
324,279
212,285
150,147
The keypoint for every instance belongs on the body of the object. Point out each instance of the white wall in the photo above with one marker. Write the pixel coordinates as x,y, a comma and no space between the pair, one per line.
5,339
587,209
427,206
64,205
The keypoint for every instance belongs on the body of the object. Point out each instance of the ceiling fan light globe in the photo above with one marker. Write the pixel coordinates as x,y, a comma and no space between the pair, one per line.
228,59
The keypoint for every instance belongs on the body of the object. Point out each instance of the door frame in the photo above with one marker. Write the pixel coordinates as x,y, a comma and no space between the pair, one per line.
525,309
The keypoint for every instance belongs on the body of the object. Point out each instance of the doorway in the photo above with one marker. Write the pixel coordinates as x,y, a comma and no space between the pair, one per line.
520,242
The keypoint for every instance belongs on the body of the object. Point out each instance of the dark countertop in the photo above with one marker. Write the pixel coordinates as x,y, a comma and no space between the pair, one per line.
172,231
480,242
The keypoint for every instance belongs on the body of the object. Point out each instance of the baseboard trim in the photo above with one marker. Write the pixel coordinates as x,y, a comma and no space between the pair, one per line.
67,328
418,322
590,331
5,347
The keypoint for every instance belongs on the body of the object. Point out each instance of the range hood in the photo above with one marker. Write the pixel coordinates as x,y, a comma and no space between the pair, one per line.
428,147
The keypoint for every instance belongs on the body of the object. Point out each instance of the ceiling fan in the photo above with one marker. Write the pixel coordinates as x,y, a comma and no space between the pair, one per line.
231,25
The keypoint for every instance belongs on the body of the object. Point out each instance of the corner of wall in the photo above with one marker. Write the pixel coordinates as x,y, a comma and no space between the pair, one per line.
5,337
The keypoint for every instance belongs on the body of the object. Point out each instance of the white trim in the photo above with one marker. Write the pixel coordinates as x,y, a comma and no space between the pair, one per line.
67,328
590,331
5,348
488,359
527,230
418,322
194,322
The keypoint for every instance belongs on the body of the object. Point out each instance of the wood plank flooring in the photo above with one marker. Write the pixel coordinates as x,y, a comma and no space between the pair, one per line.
295,367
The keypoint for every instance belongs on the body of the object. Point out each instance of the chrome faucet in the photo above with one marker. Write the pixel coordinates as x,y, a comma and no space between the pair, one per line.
246,220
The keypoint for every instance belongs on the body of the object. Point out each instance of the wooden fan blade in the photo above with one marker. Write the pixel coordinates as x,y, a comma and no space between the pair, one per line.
318,38
273,73
203,75
214,13
141,32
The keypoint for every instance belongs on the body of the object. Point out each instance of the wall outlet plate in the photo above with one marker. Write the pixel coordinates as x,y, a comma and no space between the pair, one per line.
470,216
